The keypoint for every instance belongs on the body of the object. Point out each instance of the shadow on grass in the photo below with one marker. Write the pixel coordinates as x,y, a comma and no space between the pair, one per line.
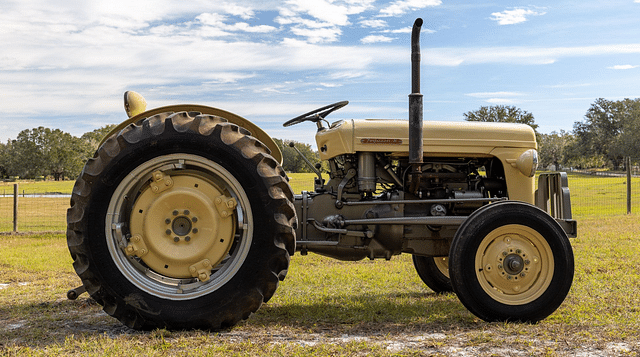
368,312
41,324
38,324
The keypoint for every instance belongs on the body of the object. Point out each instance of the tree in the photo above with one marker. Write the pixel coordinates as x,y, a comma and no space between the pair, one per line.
42,151
291,160
552,148
608,133
96,136
501,114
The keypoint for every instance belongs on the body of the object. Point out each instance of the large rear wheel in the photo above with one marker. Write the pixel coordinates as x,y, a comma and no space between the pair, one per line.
181,221
511,261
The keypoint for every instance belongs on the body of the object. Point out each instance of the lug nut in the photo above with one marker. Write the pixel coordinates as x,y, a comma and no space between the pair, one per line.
176,239
167,221
168,231
186,212
175,212
194,219
195,230
187,238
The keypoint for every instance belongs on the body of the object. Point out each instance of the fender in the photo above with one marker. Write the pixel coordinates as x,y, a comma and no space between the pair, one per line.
232,118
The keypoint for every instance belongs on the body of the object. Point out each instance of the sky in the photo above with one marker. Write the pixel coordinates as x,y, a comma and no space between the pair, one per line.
65,64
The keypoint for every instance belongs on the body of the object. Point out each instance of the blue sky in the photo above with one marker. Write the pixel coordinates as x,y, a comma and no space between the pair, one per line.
65,64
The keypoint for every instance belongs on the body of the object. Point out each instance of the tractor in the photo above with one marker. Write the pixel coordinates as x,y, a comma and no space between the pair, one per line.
184,217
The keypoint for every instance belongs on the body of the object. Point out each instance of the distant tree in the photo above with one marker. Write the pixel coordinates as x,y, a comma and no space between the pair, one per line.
42,151
291,160
94,137
502,114
608,133
552,148
3,161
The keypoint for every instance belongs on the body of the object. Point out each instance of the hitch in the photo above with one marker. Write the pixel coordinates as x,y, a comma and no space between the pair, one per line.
75,293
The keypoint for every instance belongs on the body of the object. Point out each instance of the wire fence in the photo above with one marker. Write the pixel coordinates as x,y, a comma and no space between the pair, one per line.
33,212
593,193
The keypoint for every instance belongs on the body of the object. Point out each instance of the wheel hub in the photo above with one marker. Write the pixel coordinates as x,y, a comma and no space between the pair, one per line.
184,230
181,226
514,264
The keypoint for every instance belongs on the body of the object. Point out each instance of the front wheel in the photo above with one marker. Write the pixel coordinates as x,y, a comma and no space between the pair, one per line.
181,221
511,261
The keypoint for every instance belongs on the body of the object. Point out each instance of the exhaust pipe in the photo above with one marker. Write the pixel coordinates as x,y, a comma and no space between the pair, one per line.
415,102
415,112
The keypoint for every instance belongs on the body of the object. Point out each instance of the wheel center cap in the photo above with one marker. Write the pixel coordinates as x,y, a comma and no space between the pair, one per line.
181,226
513,264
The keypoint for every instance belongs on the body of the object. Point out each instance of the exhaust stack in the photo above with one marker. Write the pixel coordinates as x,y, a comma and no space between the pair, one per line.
415,111
415,101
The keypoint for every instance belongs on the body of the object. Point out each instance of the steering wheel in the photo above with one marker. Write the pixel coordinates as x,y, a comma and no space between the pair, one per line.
317,114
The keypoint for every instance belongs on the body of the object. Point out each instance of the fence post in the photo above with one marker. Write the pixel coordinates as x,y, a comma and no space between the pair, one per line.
628,184
15,207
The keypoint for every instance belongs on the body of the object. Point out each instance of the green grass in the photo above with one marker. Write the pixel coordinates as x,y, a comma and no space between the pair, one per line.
326,308
40,187
602,196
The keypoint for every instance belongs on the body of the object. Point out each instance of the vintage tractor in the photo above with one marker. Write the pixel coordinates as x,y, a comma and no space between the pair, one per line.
184,217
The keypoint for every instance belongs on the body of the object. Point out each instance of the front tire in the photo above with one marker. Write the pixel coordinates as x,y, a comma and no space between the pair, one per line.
511,261
181,221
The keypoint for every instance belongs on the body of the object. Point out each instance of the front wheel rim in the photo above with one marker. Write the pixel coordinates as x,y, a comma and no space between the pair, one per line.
514,264
232,234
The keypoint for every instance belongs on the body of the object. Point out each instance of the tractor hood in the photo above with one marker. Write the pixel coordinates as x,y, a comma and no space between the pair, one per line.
439,138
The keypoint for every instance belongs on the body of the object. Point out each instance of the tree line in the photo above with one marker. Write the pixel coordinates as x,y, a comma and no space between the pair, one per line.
42,152
608,134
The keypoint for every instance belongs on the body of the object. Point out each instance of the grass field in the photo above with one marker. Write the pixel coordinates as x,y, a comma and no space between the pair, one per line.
332,308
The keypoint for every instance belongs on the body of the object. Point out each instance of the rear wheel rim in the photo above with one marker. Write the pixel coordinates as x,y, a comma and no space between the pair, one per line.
183,170
514,264
442,263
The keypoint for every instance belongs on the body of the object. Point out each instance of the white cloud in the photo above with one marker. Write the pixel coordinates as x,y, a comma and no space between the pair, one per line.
322,10
521,55
503,101
327,17
625,66
238,10
316,35
215,25
373,23
376,39
400,7
493,94
515,16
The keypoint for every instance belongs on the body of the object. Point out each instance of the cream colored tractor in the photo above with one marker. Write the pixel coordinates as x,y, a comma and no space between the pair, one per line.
184,217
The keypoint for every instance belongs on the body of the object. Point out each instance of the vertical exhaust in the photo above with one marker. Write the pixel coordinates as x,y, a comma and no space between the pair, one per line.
415,110
415,101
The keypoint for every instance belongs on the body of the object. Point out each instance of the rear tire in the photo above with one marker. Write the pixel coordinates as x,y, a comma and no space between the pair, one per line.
181,221
434,272
511,261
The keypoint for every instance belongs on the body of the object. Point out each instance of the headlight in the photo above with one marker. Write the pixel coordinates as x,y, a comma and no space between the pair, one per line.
527,163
